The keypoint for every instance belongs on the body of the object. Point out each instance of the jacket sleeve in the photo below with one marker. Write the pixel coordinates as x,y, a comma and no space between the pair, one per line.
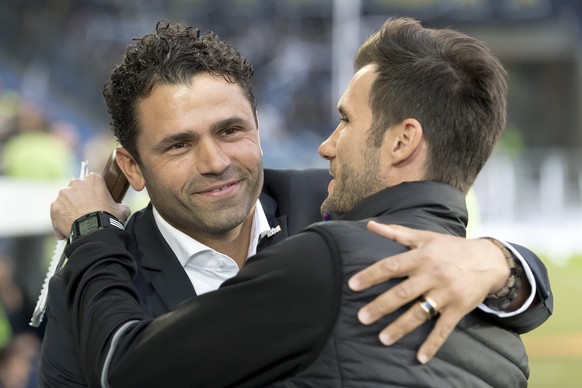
543,303
59,366
271,320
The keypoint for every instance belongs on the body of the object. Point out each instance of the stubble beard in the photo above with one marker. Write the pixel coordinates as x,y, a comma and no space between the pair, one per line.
193,219
222,222
352,186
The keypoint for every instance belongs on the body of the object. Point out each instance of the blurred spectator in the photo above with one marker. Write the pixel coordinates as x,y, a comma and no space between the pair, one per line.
98,149
34,152
14,369
12,297
19,362
5,329
38,150
9,101
19,344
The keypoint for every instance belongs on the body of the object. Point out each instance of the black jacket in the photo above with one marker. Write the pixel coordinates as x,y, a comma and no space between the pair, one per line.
478,353
290,198
287,313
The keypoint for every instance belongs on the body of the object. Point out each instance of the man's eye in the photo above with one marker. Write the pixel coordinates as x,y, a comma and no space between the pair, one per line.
343,120
230,131
178,145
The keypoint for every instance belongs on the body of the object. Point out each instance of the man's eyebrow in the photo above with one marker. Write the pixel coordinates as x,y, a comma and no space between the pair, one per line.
189,135
173,138
235,120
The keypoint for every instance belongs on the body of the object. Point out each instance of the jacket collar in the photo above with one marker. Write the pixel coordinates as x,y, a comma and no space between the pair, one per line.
433,199
159,264
278,223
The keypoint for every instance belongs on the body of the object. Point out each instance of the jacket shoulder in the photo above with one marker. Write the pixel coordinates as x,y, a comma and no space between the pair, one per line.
310,180
298,194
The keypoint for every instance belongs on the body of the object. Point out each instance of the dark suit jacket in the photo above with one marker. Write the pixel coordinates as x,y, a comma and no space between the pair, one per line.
290,199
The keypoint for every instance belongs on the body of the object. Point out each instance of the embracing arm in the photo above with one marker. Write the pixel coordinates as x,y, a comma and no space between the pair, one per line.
455,272
267,322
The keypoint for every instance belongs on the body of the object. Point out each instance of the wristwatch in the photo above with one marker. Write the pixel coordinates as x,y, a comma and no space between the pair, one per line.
92,222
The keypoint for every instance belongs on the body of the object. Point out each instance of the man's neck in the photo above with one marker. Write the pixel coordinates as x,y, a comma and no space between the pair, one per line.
234,244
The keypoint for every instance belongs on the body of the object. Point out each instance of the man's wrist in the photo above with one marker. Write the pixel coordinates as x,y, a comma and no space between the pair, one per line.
503,298
92,222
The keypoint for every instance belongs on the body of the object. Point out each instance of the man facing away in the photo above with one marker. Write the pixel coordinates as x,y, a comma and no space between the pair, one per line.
418,121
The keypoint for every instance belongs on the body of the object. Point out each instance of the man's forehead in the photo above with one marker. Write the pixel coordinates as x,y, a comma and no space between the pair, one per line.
208,103
359,87
202,92
366,76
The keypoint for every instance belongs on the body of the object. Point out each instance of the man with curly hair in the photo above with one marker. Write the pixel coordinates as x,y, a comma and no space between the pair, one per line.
184,113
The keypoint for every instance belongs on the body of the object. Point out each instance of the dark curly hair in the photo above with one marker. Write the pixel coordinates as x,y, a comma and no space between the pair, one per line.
172,55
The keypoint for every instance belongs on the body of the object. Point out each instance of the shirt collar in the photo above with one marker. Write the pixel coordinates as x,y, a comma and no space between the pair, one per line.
184,246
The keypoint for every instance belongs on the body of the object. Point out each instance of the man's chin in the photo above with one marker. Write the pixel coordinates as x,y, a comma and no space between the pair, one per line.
328,205
226,225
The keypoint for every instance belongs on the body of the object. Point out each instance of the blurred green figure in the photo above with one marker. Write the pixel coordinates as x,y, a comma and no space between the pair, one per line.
5,330
37,151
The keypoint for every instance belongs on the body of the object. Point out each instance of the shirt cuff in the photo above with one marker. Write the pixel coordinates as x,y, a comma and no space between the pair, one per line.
530,278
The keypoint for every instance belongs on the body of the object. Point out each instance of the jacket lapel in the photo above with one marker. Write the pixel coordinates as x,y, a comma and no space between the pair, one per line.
161,269
159,265
270,207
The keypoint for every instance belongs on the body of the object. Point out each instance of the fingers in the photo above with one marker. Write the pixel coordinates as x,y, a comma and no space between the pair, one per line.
399,265
400,234
416,316
61,217
81,197
393,266
454,272
444,326
402,293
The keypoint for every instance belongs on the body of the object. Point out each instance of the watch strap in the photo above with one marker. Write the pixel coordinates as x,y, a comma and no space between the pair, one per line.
98,219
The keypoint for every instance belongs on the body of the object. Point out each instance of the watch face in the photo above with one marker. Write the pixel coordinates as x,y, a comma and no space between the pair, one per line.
88,225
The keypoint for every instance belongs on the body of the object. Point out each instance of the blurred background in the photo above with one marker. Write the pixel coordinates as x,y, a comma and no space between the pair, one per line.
55,56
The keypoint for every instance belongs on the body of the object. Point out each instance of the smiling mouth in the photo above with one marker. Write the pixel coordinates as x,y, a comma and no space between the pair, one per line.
219,189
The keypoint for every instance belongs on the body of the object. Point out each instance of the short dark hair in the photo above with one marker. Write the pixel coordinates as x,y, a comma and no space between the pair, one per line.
450,82
172,55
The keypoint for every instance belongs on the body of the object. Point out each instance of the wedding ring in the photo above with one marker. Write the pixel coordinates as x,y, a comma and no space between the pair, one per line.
428,306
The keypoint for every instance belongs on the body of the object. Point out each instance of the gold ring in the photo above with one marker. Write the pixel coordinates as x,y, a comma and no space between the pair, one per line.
428,306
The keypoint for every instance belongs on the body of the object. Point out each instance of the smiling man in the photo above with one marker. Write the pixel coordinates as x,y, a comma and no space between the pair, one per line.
417,122
182,108
200,160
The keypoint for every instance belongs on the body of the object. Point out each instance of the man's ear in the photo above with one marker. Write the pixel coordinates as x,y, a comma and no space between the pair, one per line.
404,140
130,168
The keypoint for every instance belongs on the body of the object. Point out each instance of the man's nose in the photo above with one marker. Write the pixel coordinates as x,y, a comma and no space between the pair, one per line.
211,158
327,149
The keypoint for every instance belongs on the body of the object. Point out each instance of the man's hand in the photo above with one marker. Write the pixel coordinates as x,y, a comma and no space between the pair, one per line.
453,272
81,197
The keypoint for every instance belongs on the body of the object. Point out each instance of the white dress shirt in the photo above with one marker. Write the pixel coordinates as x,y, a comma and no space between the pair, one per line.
207,268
